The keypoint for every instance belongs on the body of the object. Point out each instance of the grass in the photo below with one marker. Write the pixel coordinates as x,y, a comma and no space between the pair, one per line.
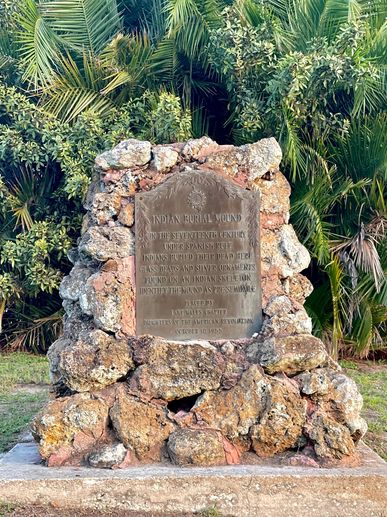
22,368
19,405
371,379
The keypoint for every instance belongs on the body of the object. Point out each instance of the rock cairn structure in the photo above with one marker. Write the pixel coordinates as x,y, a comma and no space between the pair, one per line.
122,399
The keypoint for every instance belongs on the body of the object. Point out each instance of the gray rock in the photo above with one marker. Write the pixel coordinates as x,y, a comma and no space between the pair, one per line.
72,284
261,157
108,457
127,154
290,354
164,158
103,243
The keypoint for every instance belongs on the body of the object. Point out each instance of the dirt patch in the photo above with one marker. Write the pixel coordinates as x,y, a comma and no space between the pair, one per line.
53,512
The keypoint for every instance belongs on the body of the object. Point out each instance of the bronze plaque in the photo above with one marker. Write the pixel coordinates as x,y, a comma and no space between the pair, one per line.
197,259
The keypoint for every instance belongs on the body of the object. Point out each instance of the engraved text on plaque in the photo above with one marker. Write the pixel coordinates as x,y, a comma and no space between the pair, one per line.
197,259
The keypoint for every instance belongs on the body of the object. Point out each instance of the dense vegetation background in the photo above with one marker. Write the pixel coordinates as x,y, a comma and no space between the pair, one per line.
78,76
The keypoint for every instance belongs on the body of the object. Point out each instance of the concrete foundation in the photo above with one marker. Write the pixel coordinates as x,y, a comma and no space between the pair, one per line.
239,491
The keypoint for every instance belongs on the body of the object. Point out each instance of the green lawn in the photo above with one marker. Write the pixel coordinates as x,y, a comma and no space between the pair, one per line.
371,379
22,393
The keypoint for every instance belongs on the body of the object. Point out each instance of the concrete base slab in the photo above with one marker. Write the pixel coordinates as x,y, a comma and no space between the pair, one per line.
238,490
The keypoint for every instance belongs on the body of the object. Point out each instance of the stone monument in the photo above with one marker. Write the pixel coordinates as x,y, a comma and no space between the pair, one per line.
185,337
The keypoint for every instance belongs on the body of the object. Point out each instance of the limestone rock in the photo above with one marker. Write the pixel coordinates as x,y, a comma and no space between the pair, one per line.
126,215
67,428
105,207
109,456
227,160
196,447
142,427
315,382
75,320
164,158
346,403
108,296
127,154
53,356
278,305
94,361
280,325
261,157
297,287
195,147
295,253
274,195
331,440
103,243
281,424
176,369
234,411
282,253
291,354
71,285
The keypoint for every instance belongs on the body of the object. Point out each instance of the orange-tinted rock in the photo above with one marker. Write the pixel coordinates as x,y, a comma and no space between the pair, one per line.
126,215
141,426
69,428
234,411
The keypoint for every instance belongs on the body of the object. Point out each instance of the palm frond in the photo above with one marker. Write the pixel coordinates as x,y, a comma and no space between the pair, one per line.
84,24
77,89
38,44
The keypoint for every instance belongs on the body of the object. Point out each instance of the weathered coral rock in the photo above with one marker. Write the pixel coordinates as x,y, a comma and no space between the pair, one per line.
71,285
297,287
94,361
108,296
274,195
105,207
126,215
177,369
297,322
281,424
103,243
282,252
127,154
331,440
68,428
346,403
141,426
109,456
196,447
315,382
53,356
290,354
261,157
234,411
195,148
164,158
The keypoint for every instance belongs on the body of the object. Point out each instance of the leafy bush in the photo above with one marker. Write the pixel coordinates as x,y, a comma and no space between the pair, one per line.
46,166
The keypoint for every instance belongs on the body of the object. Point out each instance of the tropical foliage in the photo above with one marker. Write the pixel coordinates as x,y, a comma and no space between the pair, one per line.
79,75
